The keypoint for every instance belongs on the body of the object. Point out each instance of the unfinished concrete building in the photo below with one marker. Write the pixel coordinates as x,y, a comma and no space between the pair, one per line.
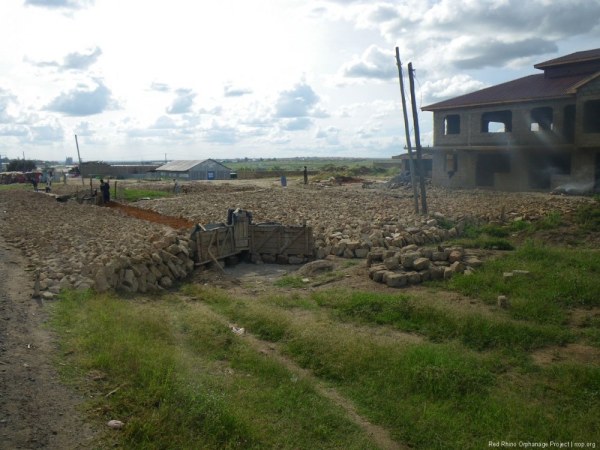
539,132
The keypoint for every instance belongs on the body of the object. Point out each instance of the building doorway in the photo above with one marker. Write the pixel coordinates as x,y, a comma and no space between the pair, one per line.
487,165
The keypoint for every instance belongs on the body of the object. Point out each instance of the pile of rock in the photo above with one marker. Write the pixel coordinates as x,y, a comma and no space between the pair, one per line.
386,236
85,246
398,267
166,259
349,221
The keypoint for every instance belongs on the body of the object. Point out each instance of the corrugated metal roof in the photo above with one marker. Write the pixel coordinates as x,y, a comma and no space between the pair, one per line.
532,87
180,166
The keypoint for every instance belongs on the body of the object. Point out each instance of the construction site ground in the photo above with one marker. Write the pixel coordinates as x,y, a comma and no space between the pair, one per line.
38,411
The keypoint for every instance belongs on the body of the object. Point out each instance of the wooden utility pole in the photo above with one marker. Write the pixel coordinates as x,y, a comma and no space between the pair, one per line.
417,139
411,164
79,157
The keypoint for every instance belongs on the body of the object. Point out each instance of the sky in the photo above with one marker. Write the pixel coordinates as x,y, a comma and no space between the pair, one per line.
147,80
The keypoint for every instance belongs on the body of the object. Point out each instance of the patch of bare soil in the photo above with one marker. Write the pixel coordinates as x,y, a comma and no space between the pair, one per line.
151,216
576,353
582,317
36,409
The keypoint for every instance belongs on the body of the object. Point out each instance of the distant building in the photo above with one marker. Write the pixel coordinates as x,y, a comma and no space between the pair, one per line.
102,169
538,132
207,169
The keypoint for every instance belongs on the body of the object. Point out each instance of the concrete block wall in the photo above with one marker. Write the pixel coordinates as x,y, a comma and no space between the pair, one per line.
590,91
463,177
521,134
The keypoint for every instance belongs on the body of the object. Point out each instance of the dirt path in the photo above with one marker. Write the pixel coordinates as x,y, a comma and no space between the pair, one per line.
36,410
378,434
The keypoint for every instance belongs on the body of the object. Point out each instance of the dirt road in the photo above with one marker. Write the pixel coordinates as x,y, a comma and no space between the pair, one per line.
36,410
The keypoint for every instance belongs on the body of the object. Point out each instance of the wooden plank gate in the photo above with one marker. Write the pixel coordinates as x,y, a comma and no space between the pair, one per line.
215,242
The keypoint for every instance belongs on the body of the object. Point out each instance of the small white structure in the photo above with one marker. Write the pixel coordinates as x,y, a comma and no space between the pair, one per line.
207,169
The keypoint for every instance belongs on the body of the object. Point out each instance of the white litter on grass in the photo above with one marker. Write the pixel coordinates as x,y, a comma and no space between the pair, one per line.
236,330
115,424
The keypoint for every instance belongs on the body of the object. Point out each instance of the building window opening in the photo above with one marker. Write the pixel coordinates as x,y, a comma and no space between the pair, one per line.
452,124
591,116
451,163
541,119
496,122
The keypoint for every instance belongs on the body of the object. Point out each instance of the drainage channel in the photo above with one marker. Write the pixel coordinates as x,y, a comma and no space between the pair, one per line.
152,216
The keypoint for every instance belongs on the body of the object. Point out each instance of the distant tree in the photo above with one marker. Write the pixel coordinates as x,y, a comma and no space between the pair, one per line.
21,165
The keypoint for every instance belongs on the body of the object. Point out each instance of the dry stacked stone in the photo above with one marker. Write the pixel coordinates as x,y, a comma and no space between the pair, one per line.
399,267
73,246
383,236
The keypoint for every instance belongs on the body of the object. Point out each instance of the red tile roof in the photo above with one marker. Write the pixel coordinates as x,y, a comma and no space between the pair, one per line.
532,87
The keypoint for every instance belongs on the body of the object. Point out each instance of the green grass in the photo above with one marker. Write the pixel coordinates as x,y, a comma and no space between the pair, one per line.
551,221
297,282
487,243
186,381
290,281
445,223
323,164
558,279
133,195
494,236
472,330
18,187
439,394
588,216
487,236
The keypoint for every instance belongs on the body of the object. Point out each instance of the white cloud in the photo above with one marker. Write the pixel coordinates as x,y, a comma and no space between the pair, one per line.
84,129
73,61
220,134
164,122
6,98
48,133
374,63
454,86
233,91
81,61
300,101
331,135
14,130
183,102
160,87
518,29
296,123
83,101
249,99
60,4
485,52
